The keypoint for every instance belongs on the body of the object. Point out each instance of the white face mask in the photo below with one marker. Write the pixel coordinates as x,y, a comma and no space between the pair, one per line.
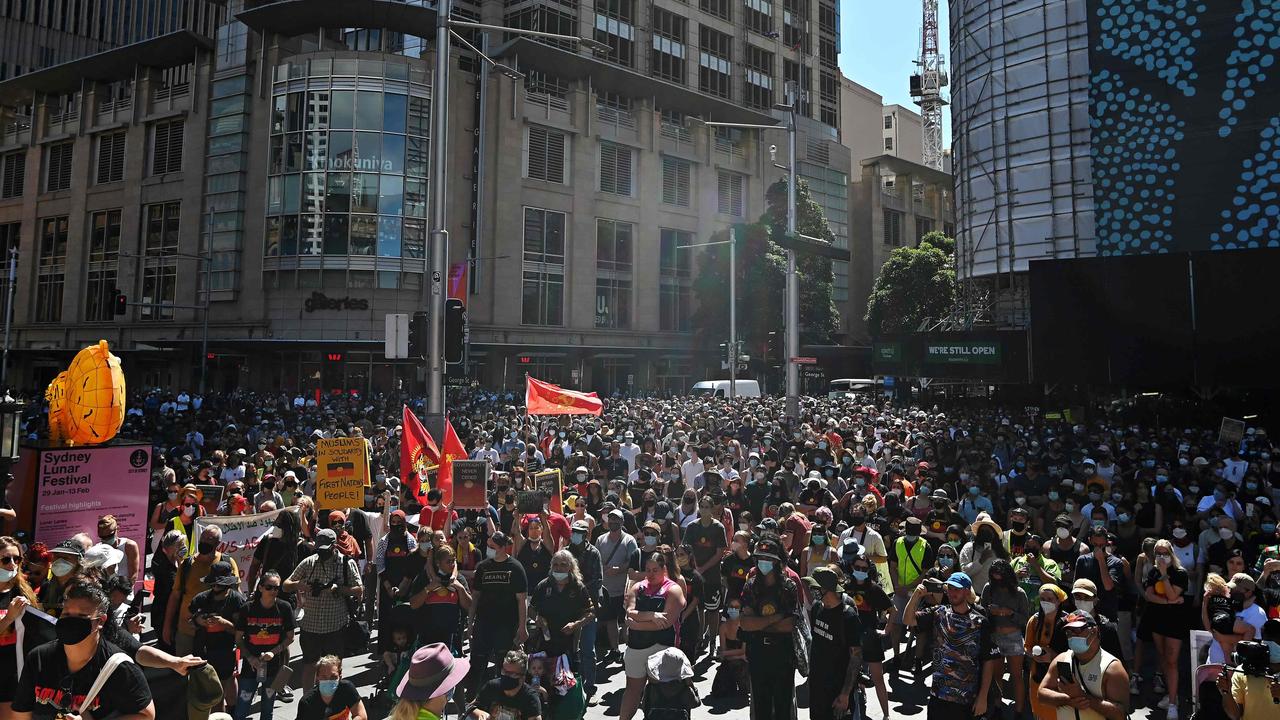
1225,533
1086,605
1048,606
1064,533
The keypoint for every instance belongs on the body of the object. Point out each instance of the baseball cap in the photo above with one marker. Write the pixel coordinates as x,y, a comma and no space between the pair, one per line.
1079,618
325,539
1084,586
960,580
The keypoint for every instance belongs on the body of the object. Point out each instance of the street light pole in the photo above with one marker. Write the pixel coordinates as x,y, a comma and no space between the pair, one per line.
792,304
8,315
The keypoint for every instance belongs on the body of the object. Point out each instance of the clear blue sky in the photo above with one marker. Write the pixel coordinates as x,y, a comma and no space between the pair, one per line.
879,42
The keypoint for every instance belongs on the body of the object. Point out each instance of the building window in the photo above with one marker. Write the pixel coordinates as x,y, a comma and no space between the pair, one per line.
160,269
888,143
545,157
667,60
888,122
13,174
166,147
10,236
675,273
720,8
57,167
924,226
52,269
615,169
544,248
110,158
544,18
730,193
759,16
714,61
675,181
893,228
104,259
614,251
614,28
758,80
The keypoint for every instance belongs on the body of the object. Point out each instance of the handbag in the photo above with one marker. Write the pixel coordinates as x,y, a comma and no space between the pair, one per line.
355,635
108,668
800,639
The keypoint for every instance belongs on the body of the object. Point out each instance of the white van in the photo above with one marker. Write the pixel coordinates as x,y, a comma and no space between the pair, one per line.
720,388
842,388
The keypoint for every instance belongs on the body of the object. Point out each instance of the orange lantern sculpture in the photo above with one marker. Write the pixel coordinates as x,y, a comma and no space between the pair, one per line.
87,402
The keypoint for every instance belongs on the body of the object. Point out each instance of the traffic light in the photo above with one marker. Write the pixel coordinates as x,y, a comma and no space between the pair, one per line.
773,351
418,332
121,303
455,330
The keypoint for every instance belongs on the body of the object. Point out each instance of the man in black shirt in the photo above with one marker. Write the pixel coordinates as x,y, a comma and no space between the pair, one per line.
332,698
498,611
57,676
836,653
213,612
507,697
707,537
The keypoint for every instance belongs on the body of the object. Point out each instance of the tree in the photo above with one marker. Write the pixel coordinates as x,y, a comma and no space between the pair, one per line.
915,284
939,240
762,279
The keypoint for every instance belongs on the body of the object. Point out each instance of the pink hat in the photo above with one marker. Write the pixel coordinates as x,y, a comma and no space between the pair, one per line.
433,672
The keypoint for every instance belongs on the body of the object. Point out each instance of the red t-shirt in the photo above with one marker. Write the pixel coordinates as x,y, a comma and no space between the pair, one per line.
799,527
557,526
442,519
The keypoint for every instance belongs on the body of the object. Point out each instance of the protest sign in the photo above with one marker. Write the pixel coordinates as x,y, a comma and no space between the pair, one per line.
549,483
240,536
342,473
470,484
75,486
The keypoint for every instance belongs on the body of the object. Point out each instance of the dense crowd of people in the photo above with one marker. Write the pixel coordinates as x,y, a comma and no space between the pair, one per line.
1023,566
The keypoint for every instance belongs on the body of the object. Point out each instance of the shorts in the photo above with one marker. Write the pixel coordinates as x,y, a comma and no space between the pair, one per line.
612,610
1171,621
635,662
223,659
872,646
1009,644
317,645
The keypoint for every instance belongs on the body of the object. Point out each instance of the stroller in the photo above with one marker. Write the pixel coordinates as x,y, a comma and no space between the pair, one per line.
670,694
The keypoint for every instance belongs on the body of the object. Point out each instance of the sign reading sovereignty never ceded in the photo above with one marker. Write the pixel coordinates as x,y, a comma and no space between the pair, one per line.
342,472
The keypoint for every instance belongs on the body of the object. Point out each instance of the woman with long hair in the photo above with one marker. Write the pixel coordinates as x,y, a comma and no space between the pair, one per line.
872,602
1007,605
691,580
1043,641
15,596
1165,588
562,605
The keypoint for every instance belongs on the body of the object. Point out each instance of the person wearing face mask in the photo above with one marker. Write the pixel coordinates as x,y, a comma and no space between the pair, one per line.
108,534
498,612
1217,553
1015,538
1166,615
732,677
267,492
619,555
213,613
871,543
164,571
737,565
324,583
1064,548
438,597
332,696
1044,639
57,676
835,656
277,549
184,516
910,556
1098,686
179,630
965,658
561,606
393,559
590,564
873,604
977,555
15,596
1104,569
165,510
771,604
508,696
654,606
1246,696
1009,610
435,514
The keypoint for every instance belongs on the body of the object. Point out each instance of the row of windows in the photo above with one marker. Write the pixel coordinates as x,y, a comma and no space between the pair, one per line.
543,278
546,158
110,152
159,272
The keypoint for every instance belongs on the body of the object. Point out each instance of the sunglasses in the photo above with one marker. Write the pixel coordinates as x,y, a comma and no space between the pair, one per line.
188,504
10,561
268,588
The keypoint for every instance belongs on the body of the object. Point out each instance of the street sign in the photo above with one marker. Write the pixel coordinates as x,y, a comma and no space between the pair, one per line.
805,360
396,340
888,381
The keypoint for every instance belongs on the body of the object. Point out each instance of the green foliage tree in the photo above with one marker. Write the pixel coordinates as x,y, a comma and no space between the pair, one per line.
939,240
762,279
916,283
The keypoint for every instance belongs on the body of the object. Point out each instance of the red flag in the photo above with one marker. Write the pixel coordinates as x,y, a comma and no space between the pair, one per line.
418,452
543,398
453,450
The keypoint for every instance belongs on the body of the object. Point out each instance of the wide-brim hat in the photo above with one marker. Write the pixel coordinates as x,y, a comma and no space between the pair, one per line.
433,672
982,520
668,665
102,556
204,691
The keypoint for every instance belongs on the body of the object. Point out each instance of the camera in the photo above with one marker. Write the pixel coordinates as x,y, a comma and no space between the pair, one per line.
933,585
773,153
1252,658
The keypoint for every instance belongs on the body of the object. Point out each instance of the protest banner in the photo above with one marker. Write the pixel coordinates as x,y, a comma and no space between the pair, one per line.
470,484
240,536
74,486
549,483
342,473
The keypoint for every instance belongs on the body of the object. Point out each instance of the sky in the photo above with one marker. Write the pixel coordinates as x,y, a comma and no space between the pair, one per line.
879,43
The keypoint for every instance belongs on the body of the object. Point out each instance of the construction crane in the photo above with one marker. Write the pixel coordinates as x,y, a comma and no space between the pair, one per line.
927,84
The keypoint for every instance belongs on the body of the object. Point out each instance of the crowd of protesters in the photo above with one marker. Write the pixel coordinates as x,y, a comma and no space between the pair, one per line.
1021,565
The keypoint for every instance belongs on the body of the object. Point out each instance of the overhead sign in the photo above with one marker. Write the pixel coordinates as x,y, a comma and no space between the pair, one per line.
805,360
963,353
342,472
888,381
886,352
396,339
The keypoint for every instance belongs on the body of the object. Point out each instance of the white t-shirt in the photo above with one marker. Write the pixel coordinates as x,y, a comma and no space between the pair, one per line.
1252,615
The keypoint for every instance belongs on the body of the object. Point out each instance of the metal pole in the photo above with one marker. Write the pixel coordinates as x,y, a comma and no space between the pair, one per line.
8,315
207,258
733,313
793,286
439,251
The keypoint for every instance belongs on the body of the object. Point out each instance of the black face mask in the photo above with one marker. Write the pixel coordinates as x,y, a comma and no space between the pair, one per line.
207,547
324,552
508,683
73,630
397,529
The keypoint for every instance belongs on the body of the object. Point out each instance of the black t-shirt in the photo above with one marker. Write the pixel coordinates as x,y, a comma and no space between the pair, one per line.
47,686
835,630
501,706
734,570
560,607
264,628
536,562
313,707
498,584
227,606
707,542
